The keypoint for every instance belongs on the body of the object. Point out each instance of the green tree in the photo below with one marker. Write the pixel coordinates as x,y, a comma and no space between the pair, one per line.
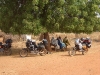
20,17
38,16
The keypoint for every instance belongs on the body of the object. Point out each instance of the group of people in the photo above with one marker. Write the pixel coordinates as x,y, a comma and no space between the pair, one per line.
63,43
59,43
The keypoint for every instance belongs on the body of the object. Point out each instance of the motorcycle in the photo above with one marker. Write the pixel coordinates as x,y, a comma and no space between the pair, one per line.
5,49
85,46
33,49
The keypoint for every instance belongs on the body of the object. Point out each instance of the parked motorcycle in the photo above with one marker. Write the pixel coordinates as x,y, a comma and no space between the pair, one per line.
33,49
5,49
85,46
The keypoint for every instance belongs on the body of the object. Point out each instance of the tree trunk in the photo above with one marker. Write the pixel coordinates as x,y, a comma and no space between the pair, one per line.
46,36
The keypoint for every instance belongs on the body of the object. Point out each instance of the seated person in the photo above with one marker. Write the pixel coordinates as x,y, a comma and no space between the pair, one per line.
65,40
78,44
54,42
1,46
60,43
34,43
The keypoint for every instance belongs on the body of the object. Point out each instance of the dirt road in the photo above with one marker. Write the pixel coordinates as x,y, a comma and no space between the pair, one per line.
58,63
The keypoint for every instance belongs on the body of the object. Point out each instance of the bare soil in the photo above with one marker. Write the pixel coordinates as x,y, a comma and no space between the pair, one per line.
57,63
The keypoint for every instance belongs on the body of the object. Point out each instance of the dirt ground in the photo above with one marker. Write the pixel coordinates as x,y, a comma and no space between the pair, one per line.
57,63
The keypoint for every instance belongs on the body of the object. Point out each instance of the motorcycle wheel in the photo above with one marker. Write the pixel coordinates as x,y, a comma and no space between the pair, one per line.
43,52
8,51
85,48
23,53
84,52
72,52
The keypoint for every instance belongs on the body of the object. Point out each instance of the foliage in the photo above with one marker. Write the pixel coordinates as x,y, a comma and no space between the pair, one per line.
37,16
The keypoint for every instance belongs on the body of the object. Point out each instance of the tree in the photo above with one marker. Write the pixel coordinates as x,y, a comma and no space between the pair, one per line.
39,16
36,16
19,17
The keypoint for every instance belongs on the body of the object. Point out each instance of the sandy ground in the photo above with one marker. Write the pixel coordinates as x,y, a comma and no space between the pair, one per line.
57,63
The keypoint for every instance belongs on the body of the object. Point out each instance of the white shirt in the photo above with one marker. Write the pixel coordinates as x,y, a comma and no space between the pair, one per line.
77,42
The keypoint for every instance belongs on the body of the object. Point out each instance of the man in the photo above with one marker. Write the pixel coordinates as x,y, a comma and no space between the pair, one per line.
54,43
1,46
65,40
45,42
78,43
60,42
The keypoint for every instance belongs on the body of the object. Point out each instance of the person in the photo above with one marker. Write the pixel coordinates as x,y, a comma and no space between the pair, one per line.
45,42
8,43
1,46
87,41
78,43
54,43
28,43
60,43
65,40
34,44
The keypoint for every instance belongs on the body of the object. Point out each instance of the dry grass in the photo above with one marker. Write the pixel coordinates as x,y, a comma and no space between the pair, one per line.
1,39
95,37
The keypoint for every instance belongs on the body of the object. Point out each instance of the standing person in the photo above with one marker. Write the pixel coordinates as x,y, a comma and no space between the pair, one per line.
65,40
